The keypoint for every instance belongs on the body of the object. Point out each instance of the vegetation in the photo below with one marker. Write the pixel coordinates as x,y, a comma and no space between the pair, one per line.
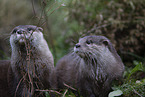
65,21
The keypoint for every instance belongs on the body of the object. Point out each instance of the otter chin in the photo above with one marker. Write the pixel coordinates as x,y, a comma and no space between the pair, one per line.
79,53
91,68
31,61
21,41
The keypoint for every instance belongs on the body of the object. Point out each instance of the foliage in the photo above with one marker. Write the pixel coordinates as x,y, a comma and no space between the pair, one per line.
133,86
122,21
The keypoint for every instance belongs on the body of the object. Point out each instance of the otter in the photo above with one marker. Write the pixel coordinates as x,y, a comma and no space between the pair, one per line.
4,65
91,67
31,62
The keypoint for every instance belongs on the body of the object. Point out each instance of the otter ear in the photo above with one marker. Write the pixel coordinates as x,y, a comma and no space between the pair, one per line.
40,29
105,42
13,31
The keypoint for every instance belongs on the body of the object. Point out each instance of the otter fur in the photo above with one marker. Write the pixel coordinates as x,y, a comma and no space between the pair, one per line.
31,62
4,67
91,68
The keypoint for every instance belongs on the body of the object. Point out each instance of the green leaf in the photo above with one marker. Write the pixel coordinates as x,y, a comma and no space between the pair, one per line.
138,67
47,94
115,93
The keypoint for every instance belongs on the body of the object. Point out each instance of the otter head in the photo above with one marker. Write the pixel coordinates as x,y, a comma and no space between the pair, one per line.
24,34
92,46
98,50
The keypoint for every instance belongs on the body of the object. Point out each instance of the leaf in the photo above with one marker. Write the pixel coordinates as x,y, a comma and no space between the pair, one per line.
115,93
47,94
138,67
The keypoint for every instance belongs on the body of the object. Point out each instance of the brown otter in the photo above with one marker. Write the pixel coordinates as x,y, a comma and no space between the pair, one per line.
31,61
91,68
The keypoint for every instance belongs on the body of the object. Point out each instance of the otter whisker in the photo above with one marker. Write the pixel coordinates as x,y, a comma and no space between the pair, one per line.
87,57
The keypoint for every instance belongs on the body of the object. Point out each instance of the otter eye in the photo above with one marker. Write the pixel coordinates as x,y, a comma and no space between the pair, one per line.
105,42
89,41
14,31
29,29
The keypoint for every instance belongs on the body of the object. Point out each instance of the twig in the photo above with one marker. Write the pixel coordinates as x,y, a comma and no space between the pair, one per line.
65,93
51,13
27,45
49,91
69,87
33,7
136,92
19,84
97,27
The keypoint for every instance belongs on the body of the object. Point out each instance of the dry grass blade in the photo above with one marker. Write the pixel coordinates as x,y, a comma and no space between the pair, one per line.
48,91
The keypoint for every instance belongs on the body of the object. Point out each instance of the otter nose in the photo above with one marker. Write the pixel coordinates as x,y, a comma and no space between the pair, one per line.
20,32
78,45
